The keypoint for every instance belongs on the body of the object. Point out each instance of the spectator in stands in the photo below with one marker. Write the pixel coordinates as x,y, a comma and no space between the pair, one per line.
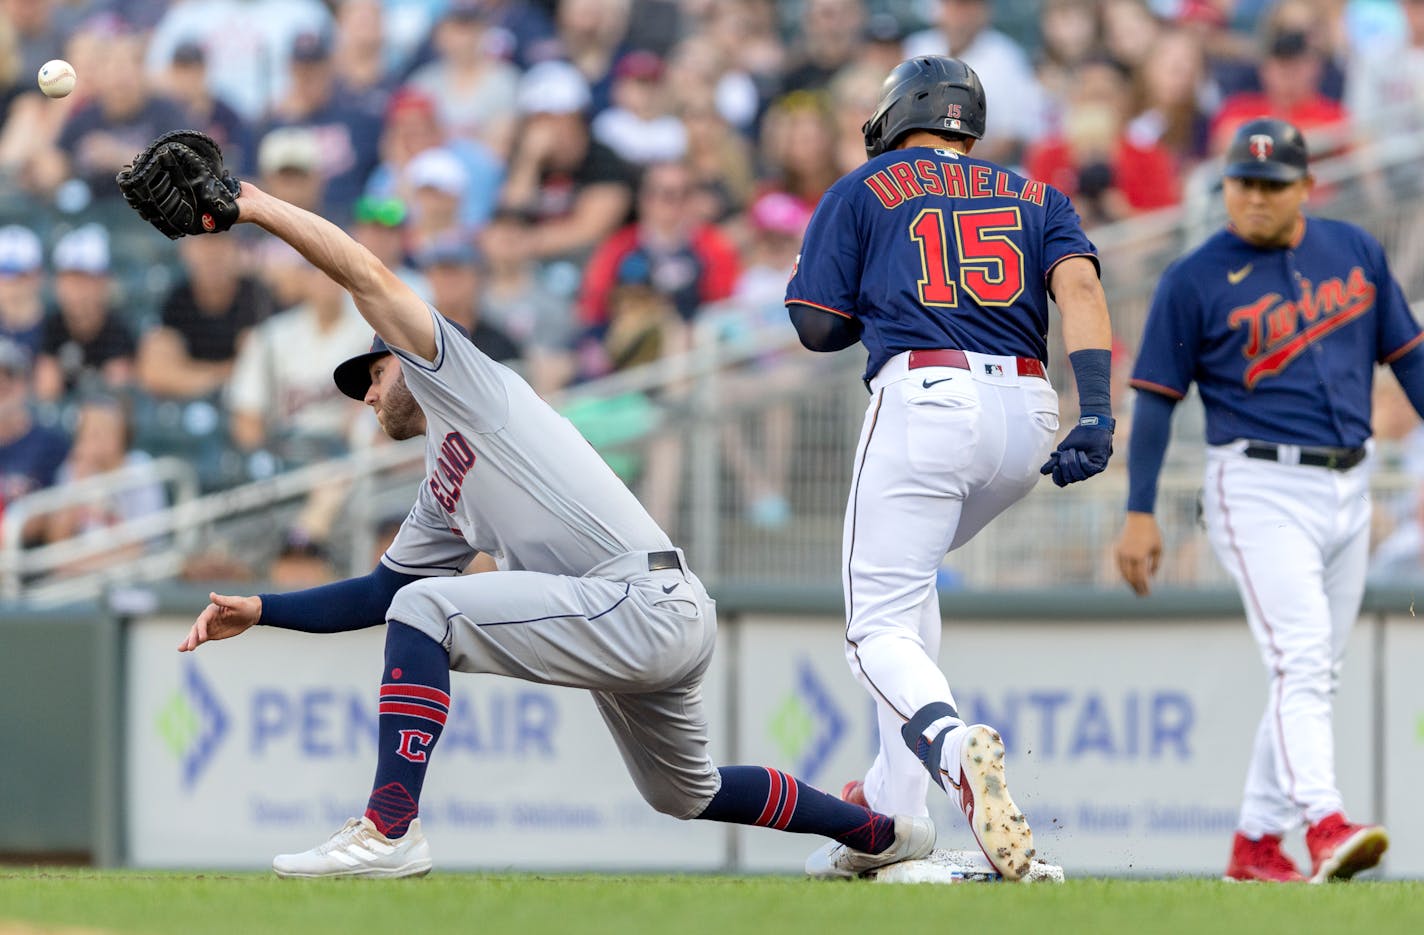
40,27
1129,30
759,452
1094,161
855,92
436,181
1071,33
29,121
1323,23
517,301
690,262
454,268
1290,79
187,83
21,306
289,165
1385,91
104,132
962,30
640,127
103,443
520,31
577,190
413,128
30,454
280,395
1168,97
473,89
798,145
721,163
249,45
358,55
379,225
702,75
85,345
884,44
204,320
591,36
829,39
347,132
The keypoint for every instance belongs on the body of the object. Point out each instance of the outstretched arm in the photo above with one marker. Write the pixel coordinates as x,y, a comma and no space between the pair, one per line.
396,313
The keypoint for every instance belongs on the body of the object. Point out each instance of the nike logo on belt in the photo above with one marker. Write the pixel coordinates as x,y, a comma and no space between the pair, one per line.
669,589
1234,276
929,383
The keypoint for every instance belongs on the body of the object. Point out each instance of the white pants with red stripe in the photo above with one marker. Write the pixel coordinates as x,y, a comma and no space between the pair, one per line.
1296,540
942,452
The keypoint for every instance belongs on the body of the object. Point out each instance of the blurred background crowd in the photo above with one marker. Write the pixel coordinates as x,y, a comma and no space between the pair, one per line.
585,185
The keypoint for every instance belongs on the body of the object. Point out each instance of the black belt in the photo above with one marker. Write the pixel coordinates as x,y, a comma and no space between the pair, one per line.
1336,459
661,561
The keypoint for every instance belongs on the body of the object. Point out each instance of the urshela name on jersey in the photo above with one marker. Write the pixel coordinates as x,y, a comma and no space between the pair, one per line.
907,179
1272,340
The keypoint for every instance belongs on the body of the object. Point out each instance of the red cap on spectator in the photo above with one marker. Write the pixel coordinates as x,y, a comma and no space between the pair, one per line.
1201,11
780,213
640,65
407,98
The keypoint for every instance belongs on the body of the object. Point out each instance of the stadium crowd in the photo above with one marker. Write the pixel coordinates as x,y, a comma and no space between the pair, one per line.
576,182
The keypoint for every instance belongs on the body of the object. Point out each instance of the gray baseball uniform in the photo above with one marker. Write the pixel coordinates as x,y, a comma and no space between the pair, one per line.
590,592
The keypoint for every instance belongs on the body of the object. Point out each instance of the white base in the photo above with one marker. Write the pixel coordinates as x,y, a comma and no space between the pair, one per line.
943,866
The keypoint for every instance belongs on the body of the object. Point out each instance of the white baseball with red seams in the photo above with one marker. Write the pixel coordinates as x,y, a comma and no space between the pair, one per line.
56,78
1296,540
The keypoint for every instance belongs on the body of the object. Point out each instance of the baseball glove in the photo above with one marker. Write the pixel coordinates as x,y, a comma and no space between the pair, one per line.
178,184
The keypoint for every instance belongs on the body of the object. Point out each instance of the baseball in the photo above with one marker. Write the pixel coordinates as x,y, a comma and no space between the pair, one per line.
57,78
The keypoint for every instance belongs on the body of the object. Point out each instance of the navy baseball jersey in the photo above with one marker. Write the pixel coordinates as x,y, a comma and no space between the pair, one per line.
928,248
1281,342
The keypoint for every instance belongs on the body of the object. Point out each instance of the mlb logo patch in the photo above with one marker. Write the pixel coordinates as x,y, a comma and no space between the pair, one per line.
993,370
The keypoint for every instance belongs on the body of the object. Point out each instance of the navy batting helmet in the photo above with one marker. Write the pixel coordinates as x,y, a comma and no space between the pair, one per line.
1267,148
929,92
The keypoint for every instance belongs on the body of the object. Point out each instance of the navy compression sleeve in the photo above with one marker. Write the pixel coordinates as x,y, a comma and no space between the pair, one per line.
1147,448
821,330
1409,371
353,604
1092,370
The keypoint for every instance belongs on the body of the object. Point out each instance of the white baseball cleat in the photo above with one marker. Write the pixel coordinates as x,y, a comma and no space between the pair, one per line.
914,838
998,824
359,850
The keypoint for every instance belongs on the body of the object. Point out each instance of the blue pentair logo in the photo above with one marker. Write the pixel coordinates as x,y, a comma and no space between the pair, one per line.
807,725
192,723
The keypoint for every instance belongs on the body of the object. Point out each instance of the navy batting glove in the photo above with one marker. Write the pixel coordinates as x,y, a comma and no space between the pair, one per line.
1083,453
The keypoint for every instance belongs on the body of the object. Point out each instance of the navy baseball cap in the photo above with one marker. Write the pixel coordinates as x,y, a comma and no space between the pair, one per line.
353,376
1267,148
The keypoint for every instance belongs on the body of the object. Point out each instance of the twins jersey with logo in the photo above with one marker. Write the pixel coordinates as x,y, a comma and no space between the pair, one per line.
944,260
1282,343
594,595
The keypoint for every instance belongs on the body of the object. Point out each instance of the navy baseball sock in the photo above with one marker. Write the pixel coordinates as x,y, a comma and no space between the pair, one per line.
415,700
756,795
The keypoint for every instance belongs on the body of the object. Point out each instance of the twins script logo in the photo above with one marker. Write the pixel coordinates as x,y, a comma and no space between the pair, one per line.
1278,331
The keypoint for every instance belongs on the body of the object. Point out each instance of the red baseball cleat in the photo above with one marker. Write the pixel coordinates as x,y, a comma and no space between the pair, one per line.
1339,849
1261,861
854,793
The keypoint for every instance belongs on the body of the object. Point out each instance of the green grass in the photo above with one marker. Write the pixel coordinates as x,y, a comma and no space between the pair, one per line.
530,904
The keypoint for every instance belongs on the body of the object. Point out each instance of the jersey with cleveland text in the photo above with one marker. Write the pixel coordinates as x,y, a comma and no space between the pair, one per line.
1281,342
928,248
507,475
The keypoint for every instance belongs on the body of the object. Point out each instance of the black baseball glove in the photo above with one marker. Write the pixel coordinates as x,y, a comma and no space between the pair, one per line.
178,184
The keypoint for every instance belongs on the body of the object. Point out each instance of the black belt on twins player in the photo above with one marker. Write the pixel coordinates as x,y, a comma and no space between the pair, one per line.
1336,459
661,561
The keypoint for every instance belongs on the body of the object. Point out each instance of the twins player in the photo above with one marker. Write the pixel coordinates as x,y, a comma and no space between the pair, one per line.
942,266
1280,320
589,593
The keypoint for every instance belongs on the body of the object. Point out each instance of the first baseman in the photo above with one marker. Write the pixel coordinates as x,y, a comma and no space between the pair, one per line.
1280,320
942,265
589,592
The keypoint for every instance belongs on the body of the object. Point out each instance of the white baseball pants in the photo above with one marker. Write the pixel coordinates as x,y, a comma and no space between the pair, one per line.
1296,540
942,452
